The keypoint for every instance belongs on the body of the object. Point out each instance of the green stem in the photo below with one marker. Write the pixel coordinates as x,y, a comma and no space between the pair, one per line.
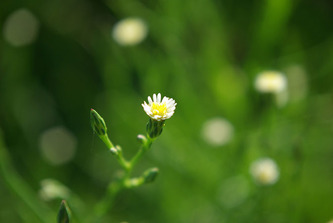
121,160
141,151
125,181
103,206
107,141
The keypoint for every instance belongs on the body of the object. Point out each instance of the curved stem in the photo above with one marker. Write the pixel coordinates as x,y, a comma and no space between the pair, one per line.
141,151
107,141
103,206
121,160
122,183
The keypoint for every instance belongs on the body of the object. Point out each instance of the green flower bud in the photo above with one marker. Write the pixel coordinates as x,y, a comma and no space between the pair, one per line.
99,127
64,213
154,128
97,123
150,175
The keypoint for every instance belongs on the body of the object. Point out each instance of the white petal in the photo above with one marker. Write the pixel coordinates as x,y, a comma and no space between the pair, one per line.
164,100
149,100
170,110
144,104
154,98
159,98
146,108
169,102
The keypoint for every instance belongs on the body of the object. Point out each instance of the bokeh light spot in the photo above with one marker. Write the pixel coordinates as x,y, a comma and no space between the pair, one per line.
21,28
217,131
130,31
58,145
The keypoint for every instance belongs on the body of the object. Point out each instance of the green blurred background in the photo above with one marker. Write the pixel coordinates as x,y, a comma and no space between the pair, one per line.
61,60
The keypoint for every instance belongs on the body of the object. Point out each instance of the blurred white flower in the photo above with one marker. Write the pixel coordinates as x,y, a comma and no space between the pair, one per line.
217,131
52,189
130,31
58,145
271,82
159,110
264,171
20,28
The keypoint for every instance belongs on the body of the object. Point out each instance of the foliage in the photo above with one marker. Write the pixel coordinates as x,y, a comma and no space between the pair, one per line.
204,54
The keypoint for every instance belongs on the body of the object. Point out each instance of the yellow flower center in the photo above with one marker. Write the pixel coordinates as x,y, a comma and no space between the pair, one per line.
158,109
265,177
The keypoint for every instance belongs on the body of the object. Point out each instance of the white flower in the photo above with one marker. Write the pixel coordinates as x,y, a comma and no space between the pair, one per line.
217,131
130,31
159,110
264,171
270,82
52,189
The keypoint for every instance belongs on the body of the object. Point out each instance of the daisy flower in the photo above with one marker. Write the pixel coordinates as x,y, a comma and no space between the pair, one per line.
130,31
270,82
158,109
265,171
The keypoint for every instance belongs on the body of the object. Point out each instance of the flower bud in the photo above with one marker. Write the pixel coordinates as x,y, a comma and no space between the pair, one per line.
114,151
150,175
154,128
99,127
64,213
142,139
97,123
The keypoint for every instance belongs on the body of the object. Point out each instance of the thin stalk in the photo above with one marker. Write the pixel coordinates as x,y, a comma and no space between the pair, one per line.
121,160
122,183
107,141
141,151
